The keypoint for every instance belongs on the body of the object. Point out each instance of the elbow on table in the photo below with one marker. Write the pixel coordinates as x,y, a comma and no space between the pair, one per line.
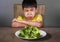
39,25
15,24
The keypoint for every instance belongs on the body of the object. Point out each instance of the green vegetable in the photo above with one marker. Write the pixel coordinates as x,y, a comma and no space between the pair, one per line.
30,32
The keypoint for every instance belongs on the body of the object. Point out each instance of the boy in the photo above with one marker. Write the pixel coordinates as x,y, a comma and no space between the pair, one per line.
31,18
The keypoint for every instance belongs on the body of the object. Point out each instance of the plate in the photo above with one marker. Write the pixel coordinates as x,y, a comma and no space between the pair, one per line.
42,34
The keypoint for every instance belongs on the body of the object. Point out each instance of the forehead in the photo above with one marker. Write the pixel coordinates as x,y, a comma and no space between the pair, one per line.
25,8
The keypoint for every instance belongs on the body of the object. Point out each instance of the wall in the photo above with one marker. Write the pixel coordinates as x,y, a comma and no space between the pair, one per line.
52,15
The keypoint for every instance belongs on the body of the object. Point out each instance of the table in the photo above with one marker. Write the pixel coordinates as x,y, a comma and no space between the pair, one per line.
7,34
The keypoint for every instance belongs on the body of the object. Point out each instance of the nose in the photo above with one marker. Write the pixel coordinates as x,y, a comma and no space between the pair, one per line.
29,13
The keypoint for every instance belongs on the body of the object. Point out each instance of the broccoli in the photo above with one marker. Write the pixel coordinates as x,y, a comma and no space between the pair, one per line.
29,32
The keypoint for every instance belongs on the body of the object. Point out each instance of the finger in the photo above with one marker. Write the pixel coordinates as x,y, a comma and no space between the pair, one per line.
13,20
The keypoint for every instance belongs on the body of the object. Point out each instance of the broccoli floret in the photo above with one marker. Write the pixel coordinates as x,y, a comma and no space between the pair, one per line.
30,32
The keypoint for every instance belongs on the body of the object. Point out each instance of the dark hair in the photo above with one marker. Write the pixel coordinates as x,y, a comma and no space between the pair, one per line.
29,3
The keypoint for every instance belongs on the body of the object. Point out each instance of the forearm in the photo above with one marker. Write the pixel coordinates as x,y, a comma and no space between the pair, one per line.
16,24
29,23
32,23
38,24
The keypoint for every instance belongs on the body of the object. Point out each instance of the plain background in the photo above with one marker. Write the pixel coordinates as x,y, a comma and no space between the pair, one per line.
51,18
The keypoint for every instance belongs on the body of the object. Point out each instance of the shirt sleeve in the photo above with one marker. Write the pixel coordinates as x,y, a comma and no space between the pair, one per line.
39,17
19,18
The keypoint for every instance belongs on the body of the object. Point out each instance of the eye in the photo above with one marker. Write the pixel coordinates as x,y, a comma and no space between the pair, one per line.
27,10
31,9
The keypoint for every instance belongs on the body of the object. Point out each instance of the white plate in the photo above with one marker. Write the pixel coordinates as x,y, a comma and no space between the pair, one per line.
42,34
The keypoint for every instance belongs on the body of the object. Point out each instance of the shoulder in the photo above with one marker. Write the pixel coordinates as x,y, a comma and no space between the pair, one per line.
19,17
39,15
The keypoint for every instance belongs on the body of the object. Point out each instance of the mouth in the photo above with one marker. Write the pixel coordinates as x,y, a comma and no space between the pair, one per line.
30,17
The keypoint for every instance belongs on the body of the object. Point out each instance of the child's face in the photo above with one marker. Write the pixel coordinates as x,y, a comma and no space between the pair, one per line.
30,12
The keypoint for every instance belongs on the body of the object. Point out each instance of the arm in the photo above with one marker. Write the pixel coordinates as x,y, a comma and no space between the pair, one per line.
31,23
17,24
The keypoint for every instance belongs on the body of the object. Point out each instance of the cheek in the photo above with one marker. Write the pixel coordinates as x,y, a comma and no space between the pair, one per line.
26,14
33,13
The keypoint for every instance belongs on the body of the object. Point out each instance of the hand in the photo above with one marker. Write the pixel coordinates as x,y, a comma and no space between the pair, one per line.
14,20
17,20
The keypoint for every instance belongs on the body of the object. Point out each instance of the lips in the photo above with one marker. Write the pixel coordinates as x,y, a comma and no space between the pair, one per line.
29,17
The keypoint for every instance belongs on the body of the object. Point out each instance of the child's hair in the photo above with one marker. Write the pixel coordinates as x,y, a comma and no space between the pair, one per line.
29,3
